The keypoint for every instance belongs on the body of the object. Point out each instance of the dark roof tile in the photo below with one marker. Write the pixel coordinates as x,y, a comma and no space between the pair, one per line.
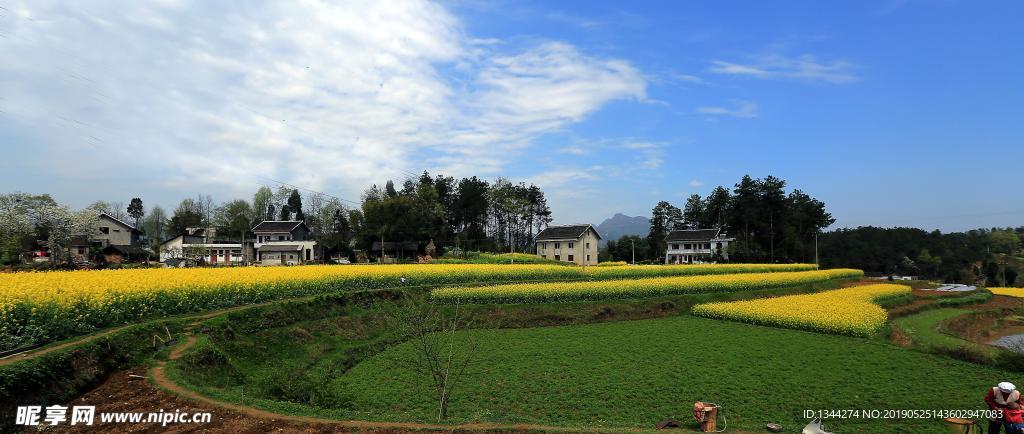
277,226
692,234
568,232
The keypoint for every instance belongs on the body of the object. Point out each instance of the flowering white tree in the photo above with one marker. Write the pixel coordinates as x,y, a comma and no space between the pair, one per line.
64,224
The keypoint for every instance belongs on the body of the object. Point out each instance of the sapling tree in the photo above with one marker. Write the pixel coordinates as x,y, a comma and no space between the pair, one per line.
438,351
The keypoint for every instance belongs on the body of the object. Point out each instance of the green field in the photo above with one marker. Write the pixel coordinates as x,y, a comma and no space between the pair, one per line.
923,328
621,374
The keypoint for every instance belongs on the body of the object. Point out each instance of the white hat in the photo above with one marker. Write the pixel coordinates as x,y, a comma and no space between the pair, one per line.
1007,387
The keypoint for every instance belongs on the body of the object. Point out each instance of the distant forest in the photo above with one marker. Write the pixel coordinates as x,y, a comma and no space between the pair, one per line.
983,256
771,225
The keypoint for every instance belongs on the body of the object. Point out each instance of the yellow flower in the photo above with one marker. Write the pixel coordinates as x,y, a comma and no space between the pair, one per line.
844,311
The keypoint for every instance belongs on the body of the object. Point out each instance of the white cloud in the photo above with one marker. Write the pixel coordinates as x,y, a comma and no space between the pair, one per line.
640,145
573,150
316,93
740,109
805,67
696,183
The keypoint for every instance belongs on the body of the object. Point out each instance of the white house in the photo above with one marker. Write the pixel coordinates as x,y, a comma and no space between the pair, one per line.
202,244
688,246
283,243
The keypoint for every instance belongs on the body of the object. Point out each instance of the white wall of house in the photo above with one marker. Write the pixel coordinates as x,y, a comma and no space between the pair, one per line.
689,252
215,254
581,251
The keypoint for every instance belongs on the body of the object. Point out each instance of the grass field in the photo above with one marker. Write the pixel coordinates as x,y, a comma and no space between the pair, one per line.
624,374
922,328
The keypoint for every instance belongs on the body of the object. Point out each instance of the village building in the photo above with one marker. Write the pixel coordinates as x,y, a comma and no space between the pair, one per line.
115,240
689,246
283,243
569,243
202,245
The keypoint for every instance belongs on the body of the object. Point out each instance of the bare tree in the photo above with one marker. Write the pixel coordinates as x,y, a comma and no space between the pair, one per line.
439,352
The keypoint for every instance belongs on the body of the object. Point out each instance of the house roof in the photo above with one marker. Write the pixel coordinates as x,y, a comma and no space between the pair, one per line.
692,234
119,221
278,226
126,250
566,232
280,247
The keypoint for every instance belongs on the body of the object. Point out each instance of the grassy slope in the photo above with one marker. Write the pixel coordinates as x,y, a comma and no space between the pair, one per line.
637,373
922,328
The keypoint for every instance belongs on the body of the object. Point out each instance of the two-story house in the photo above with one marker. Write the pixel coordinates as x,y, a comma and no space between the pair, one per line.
569,243
114,239
283,243
688,246
202,244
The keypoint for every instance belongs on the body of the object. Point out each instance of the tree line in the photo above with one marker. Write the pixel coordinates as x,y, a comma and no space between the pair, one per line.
990,257
466,213
769,224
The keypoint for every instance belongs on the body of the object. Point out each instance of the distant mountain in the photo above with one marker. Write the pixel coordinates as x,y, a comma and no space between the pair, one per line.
621,224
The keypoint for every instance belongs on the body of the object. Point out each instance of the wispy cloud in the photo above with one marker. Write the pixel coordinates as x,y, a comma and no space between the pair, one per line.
316,93
740,109
696,183
805,67
574,150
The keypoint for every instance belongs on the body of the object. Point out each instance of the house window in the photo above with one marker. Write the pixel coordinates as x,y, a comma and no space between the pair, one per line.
719,246
570,258
588,258
558,245
104,230
675,247
81,250
588,245
280,237
542,245
570,246
558,257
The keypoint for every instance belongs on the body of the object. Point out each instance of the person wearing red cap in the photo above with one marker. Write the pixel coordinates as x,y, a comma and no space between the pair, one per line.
997,399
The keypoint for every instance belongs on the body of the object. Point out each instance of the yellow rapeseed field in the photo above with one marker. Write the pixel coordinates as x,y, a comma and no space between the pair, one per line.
45,306
635,288
1009,292
849,311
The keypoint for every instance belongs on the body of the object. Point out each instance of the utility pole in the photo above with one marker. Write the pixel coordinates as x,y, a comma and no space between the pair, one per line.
632,245
771,238
816,230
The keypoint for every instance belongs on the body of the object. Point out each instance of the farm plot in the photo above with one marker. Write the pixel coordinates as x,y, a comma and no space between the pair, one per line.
1009,292
633,374
850,311
634,288
43,307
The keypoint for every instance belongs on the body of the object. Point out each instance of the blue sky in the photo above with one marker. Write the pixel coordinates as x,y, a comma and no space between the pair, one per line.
893,113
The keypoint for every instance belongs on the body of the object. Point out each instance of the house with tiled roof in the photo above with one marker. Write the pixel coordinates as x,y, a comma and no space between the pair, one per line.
569,243
689,246
283,242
